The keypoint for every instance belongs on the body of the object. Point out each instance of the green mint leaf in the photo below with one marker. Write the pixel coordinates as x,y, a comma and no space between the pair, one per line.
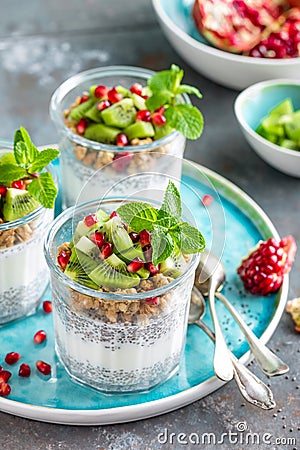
43,189
185,118
187,89
138,215
25,151
172,201
176,237
162,244
10,173
165,220
176,74
158,99
43,158
192,240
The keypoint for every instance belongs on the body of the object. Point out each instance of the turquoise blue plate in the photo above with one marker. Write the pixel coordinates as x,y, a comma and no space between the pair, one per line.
61,400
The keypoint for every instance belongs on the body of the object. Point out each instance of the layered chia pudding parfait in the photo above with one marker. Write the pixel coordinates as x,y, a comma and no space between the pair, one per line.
122,120
121,277
24,274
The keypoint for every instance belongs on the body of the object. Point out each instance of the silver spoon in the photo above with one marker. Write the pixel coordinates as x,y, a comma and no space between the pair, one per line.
269,363
222,363
251,387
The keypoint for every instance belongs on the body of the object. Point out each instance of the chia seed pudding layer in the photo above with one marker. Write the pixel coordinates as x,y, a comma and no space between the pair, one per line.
120,356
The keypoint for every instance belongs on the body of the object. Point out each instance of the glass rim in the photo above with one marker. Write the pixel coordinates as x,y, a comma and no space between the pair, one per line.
7,145
77,287
63,90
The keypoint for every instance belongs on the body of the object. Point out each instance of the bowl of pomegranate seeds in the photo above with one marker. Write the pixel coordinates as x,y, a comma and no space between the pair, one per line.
122,120
269,116
235,43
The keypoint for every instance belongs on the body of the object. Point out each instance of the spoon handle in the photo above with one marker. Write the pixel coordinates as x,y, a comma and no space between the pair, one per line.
250,386
269,363
223,366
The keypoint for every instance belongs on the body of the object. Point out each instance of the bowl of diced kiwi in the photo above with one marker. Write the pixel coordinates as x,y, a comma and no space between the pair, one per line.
269,116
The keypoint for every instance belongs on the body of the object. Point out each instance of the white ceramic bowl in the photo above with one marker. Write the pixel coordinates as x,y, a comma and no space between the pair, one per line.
252,105
228,69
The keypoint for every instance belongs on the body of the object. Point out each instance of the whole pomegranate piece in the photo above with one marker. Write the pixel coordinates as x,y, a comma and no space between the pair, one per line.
282,40
235,25
263,270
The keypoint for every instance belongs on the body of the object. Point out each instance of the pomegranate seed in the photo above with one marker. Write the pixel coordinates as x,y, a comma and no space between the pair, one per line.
136,88
90,220
4,376
24,370
147,250
84,98
152,268
145,238
18,184
43,367
47,306
106,250
113,214
160,110
12,358
3,191
35,175
81,126
4,389
207,200
114,96
121,140
103,105
158,119
143,115
153,301
63,259
98,238
101,92
135,265
134,237
145,97
40,336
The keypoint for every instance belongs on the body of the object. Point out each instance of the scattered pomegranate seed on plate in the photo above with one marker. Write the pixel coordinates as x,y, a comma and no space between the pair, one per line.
43,367
12,358
40,336
24,370
207,200
4,376
5,389
47,306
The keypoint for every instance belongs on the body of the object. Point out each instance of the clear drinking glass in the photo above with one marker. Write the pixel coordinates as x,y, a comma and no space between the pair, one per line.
82,158
24,274
116,342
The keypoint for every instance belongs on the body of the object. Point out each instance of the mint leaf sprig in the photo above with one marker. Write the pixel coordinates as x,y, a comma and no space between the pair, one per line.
166,88
29,164
168,233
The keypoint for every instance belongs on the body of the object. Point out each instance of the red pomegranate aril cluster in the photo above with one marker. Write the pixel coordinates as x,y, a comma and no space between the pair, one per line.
47,306
24,370
263,270
63,259
40,336
43,367
12,358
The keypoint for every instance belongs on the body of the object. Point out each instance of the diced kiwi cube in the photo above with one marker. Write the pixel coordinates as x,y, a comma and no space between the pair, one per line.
139,130
101,133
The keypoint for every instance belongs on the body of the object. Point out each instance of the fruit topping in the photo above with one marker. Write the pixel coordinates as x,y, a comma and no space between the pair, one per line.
24,370
293,308
110,113
63,259
262,272
47,306
135,265
39,337
4,376
90,220
98,238
43,367
106,250
18,184
12,357
3,191
5,389
145,238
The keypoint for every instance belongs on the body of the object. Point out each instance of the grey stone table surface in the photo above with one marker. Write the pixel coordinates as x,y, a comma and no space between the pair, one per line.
41,44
